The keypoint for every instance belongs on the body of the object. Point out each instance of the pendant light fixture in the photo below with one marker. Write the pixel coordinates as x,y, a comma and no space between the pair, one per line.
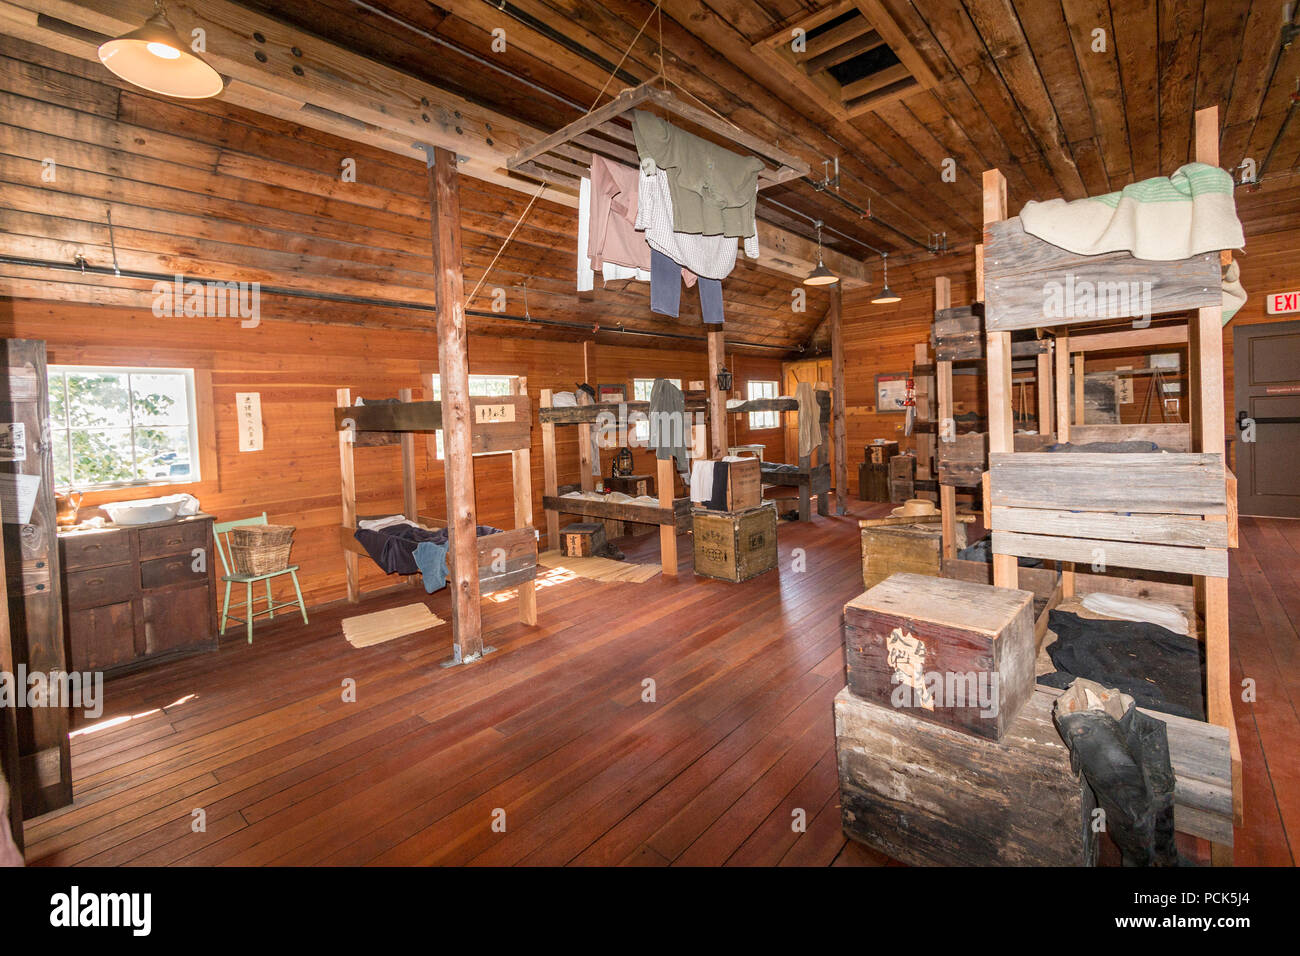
820,275
156,58
887,295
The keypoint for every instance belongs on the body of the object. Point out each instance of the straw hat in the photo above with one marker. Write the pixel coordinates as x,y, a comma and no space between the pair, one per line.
915,508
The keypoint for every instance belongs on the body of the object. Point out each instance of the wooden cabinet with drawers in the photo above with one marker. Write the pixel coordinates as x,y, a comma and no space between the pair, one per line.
139,594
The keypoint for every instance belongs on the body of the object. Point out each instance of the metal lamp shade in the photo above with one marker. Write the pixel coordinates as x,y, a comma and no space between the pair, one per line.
155,58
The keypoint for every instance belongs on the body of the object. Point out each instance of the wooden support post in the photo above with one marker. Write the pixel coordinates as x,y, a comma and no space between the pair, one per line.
840,448
998,363
348,470
453,370
947,426
1079,390
586,478
521,471
1043,389
410,486
664,479
1205,356
9,762
1062,363
717,400
550,477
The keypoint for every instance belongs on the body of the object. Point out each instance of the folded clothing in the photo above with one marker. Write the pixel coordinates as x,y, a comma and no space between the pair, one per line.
1159,669
379,524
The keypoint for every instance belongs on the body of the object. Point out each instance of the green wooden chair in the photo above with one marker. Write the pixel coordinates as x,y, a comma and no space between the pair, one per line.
221,530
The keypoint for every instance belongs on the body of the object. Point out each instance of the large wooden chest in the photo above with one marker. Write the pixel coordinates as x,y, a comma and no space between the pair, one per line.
737,545
582,539
951,652
929,795
913,548
873,481
880,451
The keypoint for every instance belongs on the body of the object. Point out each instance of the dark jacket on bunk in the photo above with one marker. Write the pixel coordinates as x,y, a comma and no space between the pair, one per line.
393,548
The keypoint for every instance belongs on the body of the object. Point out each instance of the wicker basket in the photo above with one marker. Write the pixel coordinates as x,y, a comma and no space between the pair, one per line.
261,548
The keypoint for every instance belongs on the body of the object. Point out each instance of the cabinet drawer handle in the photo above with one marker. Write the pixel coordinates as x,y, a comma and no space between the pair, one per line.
94,580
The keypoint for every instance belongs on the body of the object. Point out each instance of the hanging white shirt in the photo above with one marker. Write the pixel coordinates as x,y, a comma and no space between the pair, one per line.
712,257
609,271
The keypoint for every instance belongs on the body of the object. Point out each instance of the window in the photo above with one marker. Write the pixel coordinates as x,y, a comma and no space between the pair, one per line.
112,427
478,385
759,420
641,389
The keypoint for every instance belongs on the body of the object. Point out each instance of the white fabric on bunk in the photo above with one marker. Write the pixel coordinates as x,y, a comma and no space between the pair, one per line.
379,524
1136,609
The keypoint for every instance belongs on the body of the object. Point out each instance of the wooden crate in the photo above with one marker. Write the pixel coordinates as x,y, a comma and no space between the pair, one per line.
744,485
929,795
582,540
880,452
912,548
948,652
873,482
634,485
902,478
735,546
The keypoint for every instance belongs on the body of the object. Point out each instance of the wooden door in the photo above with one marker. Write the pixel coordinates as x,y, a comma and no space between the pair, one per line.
1266,386
31,558
812,371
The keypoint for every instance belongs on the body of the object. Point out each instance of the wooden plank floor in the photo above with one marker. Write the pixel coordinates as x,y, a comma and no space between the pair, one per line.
553,733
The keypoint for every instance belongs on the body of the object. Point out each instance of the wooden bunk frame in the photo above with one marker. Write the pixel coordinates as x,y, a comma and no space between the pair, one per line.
1174,512
811,479
497,424
672,514
961,460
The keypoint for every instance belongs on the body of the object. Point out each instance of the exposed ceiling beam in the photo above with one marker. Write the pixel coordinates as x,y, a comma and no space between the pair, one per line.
348,95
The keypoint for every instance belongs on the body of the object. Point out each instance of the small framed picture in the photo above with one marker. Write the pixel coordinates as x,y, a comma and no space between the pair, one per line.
611,393
891,393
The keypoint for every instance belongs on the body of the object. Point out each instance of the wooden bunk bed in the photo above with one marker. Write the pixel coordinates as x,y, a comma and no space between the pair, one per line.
671,514
507,559
811,480
1174,513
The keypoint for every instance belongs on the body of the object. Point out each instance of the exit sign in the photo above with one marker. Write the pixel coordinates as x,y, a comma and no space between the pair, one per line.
1282,303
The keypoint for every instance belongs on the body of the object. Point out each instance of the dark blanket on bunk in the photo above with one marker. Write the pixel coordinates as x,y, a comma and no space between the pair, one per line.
982,550
1159,669
774,469
393,548
1113,447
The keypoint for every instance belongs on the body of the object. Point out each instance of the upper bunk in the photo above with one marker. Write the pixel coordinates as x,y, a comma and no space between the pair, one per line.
1031,284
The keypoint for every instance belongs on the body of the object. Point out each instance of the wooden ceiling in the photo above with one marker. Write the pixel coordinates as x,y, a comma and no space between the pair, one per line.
1067,97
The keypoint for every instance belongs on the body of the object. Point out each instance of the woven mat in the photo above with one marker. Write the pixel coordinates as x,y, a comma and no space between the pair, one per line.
365,630
600,569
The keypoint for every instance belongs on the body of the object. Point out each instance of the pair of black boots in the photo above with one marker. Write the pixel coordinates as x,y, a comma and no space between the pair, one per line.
1125,760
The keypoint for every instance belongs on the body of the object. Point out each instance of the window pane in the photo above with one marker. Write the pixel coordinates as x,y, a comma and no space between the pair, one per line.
98,399
58,402
101,455
162,453
159,399
62,463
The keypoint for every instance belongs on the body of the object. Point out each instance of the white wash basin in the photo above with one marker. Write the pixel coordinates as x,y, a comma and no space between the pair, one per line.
147,510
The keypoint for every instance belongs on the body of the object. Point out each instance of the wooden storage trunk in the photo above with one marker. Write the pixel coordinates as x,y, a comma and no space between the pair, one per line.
913,548
634,485
735,546
582,540
929,795
880,452
744,485
873,481
949,652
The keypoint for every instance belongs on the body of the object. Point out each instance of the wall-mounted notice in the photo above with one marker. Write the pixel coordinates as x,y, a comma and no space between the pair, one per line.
13,441
250,420
18,497
494,413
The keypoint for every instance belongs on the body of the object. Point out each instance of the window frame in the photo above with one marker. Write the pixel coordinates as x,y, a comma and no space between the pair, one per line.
193,425
435,389
770,416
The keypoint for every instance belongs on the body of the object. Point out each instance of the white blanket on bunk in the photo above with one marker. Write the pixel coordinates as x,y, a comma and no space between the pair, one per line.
1162,219
379,524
